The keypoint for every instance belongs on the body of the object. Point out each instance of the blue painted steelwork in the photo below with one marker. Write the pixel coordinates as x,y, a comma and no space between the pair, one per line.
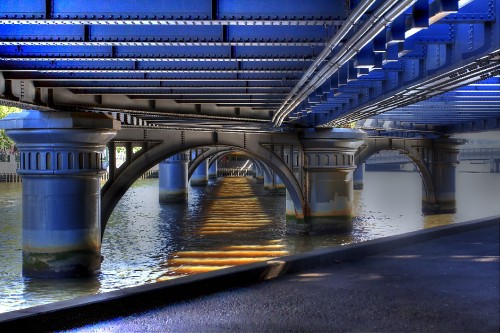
292,63
475,107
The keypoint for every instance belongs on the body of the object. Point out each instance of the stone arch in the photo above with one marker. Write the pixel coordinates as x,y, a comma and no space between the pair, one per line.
217,152
375,145
209,153
264,168
113,190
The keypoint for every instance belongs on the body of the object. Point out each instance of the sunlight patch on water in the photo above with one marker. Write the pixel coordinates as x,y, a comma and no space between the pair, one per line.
233,209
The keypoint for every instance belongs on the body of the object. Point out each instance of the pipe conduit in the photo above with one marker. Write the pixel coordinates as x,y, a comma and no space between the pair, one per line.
384,14
332,43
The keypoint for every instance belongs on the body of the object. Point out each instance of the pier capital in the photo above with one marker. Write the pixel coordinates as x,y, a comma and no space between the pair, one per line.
331,148
446,150
59,142
177,158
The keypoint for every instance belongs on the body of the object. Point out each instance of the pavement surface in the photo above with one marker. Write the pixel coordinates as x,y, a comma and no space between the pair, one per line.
447,284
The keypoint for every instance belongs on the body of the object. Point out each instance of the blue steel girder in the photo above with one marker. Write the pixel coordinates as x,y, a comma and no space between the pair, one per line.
476,102
381,127
409,53
238,58
298,63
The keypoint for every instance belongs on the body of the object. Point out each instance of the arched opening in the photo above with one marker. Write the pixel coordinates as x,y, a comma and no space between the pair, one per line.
394,184
402,149
113,190
273,183
235,164
215,221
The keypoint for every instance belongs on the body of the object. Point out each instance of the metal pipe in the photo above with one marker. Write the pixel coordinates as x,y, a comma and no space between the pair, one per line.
366,33
374,26
332,43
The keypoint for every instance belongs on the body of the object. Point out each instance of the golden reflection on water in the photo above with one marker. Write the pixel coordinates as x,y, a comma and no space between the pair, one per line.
235,210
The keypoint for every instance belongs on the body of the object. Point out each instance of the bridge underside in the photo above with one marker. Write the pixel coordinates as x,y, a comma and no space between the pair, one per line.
282,63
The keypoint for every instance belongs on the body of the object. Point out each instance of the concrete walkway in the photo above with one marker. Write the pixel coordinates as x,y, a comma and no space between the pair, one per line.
448,284
444,279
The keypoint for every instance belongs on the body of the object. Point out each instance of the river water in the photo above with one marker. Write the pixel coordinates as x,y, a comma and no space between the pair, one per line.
232,221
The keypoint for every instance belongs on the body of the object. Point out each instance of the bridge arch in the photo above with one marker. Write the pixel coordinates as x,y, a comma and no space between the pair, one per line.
408,147
113,190
211,153
217,152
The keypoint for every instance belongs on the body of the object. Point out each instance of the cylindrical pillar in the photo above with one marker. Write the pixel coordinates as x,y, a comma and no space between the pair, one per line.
269,181
358,176
173,178
494,165
444,161
61,169
279,186
290,207
200,175
259,174
329,165
212,170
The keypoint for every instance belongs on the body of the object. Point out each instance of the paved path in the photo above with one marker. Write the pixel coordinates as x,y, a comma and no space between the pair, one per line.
448,284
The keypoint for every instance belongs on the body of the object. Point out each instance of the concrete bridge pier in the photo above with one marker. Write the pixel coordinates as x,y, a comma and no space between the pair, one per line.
259,174
329,166
200,175
173,178
61,169
269,181
494,165
279,186
358,176
273,183
290,209
212,170
444,163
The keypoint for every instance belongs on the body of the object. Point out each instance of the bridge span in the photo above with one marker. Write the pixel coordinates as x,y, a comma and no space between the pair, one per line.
283,82
65,208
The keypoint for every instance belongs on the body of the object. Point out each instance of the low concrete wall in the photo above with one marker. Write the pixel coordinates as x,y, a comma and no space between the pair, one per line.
8,171
9,167
89,309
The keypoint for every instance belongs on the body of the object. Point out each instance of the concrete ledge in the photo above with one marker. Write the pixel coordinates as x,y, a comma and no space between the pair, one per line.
89,309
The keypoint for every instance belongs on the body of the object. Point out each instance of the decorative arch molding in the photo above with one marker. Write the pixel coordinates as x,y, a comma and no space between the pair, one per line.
165,143
419,151
211,153
215,153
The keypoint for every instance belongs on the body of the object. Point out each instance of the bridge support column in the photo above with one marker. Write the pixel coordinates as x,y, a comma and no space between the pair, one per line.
358,176
494,165
279,186
173,178
290,209
212,170
445,161
329,167
61,169
269,181
259,174
200,175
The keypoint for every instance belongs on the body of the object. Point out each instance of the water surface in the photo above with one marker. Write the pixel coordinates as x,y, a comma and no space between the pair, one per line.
232,221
